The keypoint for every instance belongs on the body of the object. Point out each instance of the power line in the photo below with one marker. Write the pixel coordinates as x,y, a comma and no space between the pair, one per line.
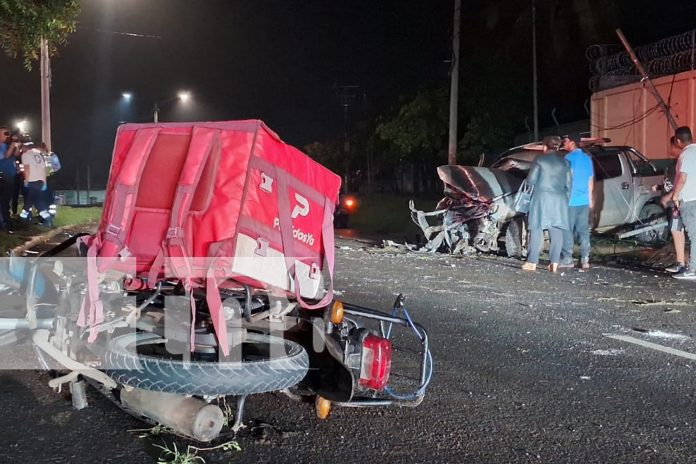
127,34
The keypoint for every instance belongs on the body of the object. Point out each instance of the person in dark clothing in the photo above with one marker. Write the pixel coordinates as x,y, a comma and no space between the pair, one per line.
548,209
8,152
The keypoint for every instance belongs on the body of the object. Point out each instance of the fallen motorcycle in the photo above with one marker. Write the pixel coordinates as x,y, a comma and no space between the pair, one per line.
209,276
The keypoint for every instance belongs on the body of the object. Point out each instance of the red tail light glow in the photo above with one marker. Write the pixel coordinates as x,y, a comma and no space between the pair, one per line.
350,204
376,362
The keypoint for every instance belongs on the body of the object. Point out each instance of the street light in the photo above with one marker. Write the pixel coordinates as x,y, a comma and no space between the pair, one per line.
127,96
183,96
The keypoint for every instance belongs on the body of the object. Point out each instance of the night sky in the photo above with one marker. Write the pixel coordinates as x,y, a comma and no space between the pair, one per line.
277,60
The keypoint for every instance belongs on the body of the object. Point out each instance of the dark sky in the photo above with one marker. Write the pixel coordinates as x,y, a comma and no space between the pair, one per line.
277,60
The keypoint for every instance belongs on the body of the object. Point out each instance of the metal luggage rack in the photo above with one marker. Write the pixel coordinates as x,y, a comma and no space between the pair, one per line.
399,315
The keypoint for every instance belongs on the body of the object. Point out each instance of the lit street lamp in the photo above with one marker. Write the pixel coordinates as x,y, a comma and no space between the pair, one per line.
22,125
183,96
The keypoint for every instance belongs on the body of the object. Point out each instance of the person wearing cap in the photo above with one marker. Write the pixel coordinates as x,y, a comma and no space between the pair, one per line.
580,203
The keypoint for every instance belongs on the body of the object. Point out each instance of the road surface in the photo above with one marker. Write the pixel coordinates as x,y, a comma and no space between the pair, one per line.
589,367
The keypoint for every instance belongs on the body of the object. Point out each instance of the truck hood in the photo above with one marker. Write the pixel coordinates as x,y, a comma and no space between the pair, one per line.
478,184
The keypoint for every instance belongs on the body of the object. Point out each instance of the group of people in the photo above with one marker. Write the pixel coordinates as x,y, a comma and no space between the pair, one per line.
562,196
562,182
26,168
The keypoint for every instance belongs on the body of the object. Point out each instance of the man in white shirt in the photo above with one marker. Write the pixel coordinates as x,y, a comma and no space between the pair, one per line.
35,182
684,194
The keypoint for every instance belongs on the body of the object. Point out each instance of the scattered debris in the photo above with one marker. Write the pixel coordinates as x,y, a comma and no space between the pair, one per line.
610,352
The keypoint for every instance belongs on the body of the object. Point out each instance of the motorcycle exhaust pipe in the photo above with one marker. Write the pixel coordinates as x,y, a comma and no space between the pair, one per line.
187,416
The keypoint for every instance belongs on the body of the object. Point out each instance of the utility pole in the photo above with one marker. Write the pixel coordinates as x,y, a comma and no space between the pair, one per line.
89,186
346,94
651,87
45,94
454,86
534,73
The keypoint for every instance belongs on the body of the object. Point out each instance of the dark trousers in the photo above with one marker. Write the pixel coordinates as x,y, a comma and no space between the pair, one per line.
35,197
18,188
7,187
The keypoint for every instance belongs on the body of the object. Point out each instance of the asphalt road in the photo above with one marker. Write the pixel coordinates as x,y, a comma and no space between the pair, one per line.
593,366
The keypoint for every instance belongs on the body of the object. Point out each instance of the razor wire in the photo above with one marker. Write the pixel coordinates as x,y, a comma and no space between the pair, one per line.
611,65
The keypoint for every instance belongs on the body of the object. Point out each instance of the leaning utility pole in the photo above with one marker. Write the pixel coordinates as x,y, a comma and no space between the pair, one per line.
454,86
646,78
534,73
45,94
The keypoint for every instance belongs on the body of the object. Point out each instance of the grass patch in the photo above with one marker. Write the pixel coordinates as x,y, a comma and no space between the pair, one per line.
388,214
67,216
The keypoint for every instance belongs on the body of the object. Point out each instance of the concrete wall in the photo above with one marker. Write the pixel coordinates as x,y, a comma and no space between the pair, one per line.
629,114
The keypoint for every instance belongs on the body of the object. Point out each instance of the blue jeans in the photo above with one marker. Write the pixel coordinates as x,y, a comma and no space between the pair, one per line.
688,216
579,229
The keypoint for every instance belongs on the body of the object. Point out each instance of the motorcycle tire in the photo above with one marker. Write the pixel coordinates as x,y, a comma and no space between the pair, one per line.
252,374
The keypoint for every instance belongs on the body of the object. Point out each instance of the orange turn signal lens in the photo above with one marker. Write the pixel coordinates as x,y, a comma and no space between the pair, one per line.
336,315
322,407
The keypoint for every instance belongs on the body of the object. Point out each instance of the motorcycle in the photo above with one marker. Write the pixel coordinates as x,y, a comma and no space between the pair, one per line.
165,347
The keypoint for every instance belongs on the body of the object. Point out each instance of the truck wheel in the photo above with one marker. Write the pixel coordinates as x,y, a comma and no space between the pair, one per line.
651,213
515,235
139,360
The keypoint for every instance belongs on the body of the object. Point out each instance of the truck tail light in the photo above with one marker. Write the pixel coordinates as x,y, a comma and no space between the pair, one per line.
376,362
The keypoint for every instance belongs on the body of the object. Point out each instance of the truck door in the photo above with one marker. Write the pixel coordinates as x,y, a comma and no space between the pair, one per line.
645,181
613,199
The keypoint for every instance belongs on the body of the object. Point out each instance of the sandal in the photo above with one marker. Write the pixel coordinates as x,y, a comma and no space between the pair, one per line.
529,267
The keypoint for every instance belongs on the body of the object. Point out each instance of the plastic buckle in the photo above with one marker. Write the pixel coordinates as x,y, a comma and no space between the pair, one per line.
113,230
173,232
266,183
314,271
261,246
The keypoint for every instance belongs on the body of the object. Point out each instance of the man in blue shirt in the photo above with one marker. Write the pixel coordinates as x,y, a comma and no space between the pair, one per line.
579,203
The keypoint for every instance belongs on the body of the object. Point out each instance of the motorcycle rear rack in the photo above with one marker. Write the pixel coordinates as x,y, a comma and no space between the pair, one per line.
425,362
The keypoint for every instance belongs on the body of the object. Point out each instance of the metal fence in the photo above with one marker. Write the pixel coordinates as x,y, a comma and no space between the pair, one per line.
611,66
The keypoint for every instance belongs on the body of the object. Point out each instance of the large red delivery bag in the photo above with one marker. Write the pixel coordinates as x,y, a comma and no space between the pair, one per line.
212,202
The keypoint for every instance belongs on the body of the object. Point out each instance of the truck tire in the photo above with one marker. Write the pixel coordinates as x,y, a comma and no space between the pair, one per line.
649,213
173,375
515,238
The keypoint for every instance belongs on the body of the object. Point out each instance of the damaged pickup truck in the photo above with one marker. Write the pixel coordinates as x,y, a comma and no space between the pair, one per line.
476,211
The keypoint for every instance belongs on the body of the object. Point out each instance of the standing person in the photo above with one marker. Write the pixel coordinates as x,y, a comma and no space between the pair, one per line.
19,178
8,172
35,183
548,209
684,194
52,163
580,203
676,225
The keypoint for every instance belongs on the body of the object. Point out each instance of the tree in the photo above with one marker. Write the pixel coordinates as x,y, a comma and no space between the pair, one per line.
25,23
418,130
415,137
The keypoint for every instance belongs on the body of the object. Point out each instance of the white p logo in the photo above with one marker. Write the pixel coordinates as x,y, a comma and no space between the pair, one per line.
302,207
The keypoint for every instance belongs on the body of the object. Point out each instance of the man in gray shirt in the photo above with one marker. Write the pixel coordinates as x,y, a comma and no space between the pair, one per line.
684,194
